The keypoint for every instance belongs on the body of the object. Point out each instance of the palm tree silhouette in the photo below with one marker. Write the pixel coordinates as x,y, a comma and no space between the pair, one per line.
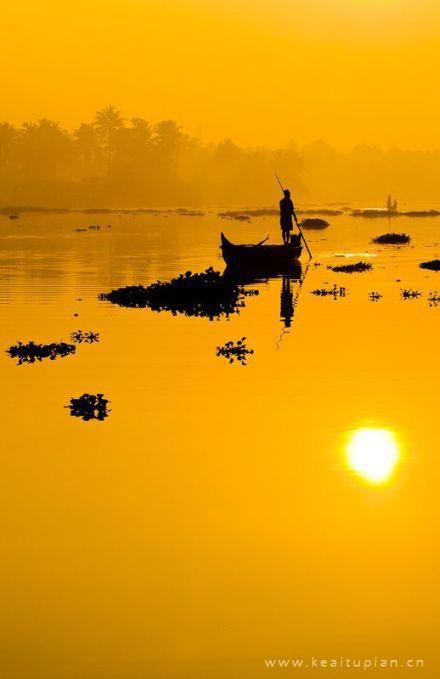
108,121
168,139
142,130
88,147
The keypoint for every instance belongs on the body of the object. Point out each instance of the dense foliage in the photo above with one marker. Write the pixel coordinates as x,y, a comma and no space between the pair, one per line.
111,161
208,294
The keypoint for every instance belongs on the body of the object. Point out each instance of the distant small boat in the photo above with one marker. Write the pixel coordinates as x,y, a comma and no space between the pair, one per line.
260,255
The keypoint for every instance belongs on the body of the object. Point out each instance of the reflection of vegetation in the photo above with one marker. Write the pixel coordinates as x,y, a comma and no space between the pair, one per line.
335,292
433,265
392,239
434,298
375,296
84,336
235,351
208,294
410,294
89,407
31,352
314,223
351,268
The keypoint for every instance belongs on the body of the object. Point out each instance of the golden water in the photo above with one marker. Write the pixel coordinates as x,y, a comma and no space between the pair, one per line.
222,515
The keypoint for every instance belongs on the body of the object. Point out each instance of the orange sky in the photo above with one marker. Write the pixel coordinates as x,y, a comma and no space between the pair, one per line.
259,71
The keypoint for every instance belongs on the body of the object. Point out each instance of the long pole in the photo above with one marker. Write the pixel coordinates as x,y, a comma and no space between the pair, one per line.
296,220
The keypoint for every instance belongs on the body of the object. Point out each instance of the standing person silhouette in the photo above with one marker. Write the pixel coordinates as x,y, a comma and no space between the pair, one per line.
286,213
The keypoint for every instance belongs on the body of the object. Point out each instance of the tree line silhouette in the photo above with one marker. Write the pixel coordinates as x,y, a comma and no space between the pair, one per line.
114,162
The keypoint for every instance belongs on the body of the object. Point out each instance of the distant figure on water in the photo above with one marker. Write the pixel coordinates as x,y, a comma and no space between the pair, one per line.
391,205
286,214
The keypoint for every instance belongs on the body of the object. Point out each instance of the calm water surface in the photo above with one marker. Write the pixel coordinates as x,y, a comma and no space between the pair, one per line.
222,515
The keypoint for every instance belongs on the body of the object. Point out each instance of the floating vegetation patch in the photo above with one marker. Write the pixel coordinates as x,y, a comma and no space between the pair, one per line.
422,213
335,291
434,298
358,267
410,294
235,351
371,213
208,294
374,296
189,213
31,352
433,265
392,239
89,407
239,216
84,337
314,223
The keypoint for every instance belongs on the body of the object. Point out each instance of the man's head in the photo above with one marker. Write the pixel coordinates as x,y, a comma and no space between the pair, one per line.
287,193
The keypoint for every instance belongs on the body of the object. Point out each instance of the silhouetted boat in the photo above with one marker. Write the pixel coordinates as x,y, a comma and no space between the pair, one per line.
260,255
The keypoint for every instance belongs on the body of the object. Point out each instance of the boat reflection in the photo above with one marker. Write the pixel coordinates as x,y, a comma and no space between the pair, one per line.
262,274
289,275
287,307
373,454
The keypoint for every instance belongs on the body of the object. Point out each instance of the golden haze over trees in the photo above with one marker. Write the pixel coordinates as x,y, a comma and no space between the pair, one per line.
117,162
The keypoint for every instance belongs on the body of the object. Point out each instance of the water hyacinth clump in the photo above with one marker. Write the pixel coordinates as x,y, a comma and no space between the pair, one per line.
374,296
410,294
392,239
434,298
235,351
208,294
335,291
433,265
422,213
84,336
314,223
31,352
89,407
358,267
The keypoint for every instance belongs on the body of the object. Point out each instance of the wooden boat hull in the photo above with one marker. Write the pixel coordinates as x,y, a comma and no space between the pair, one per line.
272,257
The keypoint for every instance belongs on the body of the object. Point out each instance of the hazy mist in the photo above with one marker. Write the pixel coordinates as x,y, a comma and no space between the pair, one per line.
111,161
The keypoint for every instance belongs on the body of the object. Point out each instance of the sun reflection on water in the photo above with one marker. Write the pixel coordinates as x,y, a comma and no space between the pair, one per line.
373,454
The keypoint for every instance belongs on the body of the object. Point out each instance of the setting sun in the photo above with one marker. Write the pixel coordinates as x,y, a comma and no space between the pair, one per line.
373,453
